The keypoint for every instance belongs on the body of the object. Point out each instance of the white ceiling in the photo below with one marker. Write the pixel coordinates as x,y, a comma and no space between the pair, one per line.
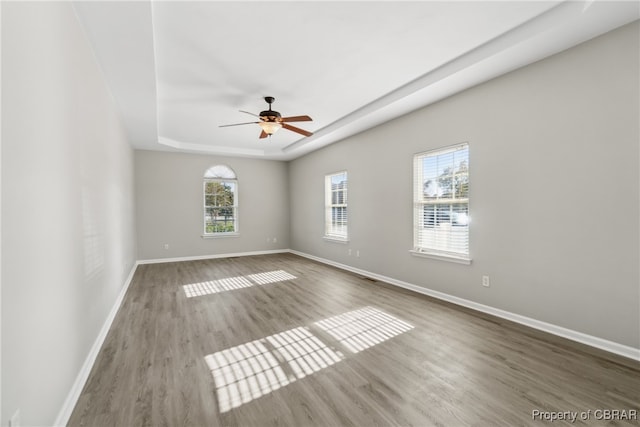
180,69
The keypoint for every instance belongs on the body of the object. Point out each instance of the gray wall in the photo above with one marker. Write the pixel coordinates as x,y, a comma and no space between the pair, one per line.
68,232
554,165
169,205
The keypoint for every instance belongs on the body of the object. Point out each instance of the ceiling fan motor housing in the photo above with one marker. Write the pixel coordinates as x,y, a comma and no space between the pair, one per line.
270,114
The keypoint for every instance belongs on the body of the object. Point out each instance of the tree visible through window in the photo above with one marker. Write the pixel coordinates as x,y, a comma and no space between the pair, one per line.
441,201
336,206
220,201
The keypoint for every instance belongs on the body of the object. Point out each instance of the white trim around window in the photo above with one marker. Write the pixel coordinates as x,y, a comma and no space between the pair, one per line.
336,218
220,202
441,204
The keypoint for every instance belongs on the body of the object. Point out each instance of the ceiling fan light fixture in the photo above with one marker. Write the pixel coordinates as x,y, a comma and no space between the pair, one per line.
271,121
270,127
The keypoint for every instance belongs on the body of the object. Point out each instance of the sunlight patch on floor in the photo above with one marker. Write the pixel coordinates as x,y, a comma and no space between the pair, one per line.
232,283
215,286
303,351
271,277
248,371
251,370
360,329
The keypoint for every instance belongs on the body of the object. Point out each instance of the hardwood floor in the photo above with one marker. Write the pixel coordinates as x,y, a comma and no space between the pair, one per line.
282,340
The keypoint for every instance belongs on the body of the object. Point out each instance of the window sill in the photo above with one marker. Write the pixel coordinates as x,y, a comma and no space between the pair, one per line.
219,235
442,257
336,239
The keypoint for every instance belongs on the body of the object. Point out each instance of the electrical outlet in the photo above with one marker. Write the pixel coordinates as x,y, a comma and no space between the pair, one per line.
14,421
485,281
275,240
166,246
349,252
358,253
268,239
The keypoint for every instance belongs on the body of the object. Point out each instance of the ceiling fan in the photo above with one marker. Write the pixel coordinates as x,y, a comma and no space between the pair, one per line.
271,121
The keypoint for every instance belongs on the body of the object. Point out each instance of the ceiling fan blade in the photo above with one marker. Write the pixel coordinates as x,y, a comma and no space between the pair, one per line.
298,130
295,119
246,112
263,134
238,124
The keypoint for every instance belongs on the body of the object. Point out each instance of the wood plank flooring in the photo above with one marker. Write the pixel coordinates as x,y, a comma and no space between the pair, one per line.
280,340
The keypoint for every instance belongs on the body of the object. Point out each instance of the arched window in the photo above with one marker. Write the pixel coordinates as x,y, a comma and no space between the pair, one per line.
220,201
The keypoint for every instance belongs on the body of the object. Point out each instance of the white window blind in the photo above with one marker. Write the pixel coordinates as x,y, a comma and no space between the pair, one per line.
220,201
336,206
441,202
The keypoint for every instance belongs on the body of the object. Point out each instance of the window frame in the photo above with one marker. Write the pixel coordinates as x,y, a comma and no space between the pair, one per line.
420,203
330,233
220,178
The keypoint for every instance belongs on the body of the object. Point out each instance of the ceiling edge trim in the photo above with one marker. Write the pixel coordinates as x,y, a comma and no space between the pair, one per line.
210,149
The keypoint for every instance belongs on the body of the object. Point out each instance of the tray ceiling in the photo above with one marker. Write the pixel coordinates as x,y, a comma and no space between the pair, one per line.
178,70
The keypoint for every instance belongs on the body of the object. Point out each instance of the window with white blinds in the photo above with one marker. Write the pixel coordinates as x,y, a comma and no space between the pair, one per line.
441,202
335,189
220,193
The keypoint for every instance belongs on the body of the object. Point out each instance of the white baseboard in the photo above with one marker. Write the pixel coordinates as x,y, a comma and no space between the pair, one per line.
74,394
610,346
201,257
